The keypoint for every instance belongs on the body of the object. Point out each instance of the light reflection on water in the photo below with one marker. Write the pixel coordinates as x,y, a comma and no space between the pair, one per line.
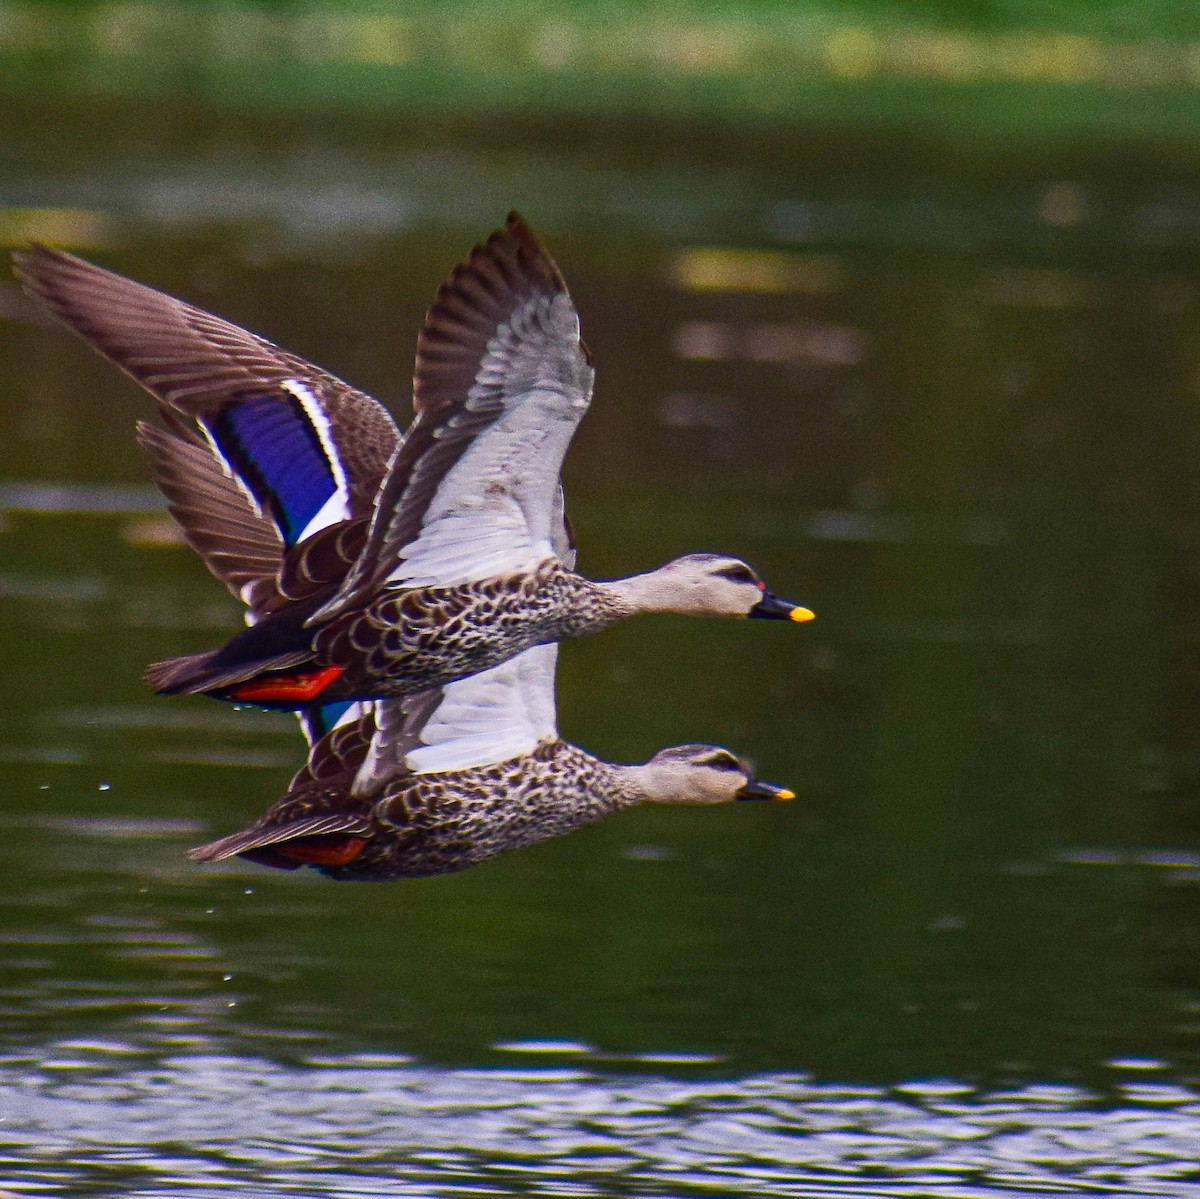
89,1115
961,429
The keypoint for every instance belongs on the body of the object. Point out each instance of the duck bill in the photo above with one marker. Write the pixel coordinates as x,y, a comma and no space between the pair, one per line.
771,607
757,789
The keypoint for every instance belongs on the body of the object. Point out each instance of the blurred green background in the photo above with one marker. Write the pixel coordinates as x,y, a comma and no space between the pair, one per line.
899,301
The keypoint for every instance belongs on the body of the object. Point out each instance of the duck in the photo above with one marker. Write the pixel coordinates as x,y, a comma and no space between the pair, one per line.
456,775
410,560
438,781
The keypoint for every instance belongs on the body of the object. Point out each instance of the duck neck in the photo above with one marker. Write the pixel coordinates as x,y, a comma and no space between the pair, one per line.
637,594
600,787
626,786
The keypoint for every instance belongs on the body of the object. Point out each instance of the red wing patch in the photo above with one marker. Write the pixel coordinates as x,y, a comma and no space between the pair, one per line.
339,853
300,688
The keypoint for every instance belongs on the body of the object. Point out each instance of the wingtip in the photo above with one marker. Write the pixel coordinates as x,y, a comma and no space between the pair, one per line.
33,261
57,279
517,242
518,227
206,853
511,265
24,264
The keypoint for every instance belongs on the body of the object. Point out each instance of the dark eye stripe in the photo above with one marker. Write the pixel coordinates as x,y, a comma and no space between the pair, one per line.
721,762
737,574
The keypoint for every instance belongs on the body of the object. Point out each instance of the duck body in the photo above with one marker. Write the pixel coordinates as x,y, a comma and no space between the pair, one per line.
400,561
375,564
453,776
426,824
404,641
438,823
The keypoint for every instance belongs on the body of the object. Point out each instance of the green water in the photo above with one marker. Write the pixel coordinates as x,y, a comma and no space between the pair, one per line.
962,424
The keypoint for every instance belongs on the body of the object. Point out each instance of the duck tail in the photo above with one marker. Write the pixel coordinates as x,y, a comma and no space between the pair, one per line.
191,674
213,674
333,839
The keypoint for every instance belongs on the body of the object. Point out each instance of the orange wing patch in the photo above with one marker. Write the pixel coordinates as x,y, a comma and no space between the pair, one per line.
338,854
302,688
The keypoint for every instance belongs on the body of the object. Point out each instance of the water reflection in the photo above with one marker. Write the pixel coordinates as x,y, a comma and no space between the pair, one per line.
952,403
381,1125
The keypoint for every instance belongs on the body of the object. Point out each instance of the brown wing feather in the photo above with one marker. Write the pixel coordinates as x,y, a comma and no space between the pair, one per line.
480,294
509,271
196,361
259,836
340,753
240,545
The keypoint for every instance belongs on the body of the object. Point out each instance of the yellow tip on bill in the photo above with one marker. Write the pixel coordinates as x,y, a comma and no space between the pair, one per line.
802,614
783,793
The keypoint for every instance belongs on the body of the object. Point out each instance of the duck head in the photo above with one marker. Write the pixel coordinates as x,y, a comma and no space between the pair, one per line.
701,774
706,585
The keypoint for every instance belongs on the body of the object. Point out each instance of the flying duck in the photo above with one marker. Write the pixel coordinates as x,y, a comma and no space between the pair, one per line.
451,776
409,562
441,779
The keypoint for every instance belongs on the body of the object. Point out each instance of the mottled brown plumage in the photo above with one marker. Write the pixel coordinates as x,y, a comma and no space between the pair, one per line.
405,824
421,824
419,637
406,563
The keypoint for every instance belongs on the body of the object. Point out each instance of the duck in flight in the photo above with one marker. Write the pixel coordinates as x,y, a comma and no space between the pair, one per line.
409,561
451,776
437,781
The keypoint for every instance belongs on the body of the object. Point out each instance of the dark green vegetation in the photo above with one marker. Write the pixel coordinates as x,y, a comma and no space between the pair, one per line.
1007,69
942,389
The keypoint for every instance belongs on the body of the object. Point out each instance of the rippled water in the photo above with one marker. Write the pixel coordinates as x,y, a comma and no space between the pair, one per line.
948,404
381,1125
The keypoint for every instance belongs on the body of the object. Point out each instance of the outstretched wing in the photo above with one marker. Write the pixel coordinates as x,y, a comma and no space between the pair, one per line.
498,714
502,381
237,543
317,803
309,449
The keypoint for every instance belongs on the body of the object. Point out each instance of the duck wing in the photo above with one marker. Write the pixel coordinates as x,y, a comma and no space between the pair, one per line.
498,714
338,754
310,449
318,804
237,543
261,835
240,545
502,381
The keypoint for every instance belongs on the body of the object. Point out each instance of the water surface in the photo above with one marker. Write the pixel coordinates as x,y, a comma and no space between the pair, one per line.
951,405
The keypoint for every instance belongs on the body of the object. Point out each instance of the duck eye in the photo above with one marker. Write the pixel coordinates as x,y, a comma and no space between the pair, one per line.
738,574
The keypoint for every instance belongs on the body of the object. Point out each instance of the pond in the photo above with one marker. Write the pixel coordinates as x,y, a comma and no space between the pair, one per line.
949,402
